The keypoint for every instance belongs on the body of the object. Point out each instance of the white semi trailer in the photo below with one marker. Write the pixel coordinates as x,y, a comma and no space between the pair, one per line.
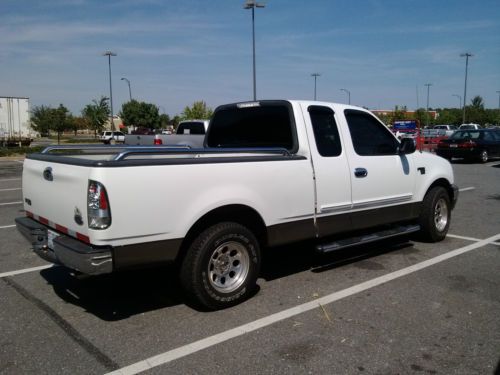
15,121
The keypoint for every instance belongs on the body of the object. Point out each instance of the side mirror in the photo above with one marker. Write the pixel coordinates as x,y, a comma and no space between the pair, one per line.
407,146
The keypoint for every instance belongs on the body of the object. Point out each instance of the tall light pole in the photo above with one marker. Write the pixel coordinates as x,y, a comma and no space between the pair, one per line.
459,100
109,54
498,92
348,94
252,4
466,55
129,90
427,110
315,75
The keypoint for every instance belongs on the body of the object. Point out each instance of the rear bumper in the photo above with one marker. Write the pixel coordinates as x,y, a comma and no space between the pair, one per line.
66,250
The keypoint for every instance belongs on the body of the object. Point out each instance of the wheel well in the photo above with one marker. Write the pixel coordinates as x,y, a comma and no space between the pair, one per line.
236,213
443,183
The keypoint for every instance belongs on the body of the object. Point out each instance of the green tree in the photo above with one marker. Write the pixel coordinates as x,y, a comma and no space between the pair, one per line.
61,121
96,114
79,123
164,120
135,113
449,116
198,110
477,102
41,119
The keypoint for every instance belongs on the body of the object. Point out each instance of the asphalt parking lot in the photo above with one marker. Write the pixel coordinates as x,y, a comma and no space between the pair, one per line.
395,307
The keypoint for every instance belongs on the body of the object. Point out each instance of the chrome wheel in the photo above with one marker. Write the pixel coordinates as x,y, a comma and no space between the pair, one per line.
441,214
228,266
484,156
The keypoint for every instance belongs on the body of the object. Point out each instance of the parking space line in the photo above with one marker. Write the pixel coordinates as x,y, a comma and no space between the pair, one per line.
7,226
12,189
26,270
468,238
10,203
208,342
467,189
10,179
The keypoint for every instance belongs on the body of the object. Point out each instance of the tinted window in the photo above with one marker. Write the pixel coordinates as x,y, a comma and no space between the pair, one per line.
369,136
265,125
325,130
463,134
191,128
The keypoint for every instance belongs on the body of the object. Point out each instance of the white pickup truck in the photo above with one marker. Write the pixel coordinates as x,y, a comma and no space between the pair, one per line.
270,173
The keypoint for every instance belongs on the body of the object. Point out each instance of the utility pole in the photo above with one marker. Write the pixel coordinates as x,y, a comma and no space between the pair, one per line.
427,110
109,54
466,55
348,95
252,4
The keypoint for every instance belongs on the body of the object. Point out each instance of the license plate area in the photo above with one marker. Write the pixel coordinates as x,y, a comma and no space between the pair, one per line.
453,145
51,236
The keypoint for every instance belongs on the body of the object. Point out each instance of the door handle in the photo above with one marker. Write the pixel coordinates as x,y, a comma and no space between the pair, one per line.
360,172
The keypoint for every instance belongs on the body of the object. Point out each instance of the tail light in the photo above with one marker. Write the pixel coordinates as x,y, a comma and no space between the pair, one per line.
99,213
469,144
158,141
442,144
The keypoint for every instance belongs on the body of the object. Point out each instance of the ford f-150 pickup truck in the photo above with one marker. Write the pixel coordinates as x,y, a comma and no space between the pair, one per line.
269,173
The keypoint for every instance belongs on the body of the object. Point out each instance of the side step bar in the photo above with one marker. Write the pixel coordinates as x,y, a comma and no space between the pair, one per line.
363,239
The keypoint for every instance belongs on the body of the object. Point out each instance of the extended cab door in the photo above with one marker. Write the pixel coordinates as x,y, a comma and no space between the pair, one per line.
382,180
331,170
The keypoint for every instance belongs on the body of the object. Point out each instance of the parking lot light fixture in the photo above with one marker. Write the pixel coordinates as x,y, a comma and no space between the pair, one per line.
459,100
466,55
348,95
109,54
252,4
129,89
315,75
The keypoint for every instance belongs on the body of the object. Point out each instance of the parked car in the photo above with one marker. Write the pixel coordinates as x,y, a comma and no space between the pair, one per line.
449,129
471,144
112,137
469,127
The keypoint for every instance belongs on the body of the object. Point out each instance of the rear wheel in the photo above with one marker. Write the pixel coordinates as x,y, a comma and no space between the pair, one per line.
221,266
483,156
435,215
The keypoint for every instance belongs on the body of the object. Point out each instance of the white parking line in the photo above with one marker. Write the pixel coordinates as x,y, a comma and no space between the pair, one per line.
10,203
26,270
7,226
10,189
467,189
468,238
208,342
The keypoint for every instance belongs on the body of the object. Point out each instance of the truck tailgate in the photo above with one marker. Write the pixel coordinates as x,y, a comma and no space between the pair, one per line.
56,194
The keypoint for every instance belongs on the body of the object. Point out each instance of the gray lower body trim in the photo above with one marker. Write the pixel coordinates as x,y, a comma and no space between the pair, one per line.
147,253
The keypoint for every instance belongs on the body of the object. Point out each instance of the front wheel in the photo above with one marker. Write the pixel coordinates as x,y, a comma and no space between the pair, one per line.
435,215
221,266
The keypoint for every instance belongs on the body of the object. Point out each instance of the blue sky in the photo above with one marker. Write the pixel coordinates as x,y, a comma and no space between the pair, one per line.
175,52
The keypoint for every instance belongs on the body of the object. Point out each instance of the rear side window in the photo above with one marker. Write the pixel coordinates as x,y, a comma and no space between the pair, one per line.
369,136
257,125
193,127
325,130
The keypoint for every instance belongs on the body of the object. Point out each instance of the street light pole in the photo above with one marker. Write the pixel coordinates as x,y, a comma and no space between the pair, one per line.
427,110
466,55
109,54
252,4
315,75
459,100
129,90
348,94
498,92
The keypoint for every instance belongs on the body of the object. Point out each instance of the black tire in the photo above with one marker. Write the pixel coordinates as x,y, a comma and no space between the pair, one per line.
435,215
221,266
483,156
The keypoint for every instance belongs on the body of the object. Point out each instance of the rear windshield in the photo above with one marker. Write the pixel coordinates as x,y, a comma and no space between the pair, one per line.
192,127
263,124
466,134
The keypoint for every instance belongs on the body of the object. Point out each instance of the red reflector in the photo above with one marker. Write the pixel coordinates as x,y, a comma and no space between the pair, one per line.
62,229
158,141
29,214
82,237
43,220
103,202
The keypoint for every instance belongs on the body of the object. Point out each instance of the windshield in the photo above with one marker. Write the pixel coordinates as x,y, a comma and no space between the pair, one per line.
192,127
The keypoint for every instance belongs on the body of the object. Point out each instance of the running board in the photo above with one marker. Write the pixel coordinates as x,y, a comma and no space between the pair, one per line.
363,239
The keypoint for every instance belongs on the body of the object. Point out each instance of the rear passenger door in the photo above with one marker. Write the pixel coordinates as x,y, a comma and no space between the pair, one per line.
382,180
332,179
